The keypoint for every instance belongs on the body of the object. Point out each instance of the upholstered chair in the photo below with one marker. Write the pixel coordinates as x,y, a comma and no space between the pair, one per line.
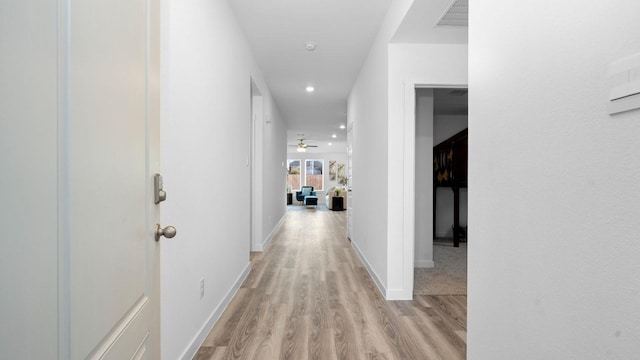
305,191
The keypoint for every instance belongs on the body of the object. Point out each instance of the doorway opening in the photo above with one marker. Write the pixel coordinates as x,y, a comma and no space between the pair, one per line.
441,120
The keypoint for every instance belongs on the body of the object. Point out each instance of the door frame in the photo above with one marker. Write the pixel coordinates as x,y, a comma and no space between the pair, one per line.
256,167
409,173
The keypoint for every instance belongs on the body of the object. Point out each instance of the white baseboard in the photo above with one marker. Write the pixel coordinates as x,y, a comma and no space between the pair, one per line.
372,273
273,232
388,294
424,264
258,248
215,316
265,243
399,294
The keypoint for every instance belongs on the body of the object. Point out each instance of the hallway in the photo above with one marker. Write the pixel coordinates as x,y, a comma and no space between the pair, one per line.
309,297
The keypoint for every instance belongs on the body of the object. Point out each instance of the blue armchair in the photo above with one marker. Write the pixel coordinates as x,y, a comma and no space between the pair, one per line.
305,191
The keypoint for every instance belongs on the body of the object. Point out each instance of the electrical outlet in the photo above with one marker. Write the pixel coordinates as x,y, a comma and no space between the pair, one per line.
201,288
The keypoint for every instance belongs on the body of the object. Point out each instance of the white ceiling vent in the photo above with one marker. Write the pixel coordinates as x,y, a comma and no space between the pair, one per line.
456,15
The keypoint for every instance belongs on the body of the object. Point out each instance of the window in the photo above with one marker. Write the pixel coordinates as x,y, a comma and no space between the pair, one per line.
293,175
314,174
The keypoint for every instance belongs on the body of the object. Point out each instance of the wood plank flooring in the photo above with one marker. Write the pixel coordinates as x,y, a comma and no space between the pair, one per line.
309,297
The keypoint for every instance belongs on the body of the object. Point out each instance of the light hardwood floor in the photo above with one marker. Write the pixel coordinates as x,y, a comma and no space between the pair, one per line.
309,297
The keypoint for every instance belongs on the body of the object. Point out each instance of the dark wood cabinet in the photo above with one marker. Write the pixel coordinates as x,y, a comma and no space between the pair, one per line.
450,159
337,203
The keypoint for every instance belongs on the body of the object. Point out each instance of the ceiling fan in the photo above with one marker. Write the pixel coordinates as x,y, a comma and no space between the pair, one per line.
301,146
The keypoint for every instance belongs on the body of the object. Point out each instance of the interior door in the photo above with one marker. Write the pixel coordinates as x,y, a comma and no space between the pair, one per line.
111,146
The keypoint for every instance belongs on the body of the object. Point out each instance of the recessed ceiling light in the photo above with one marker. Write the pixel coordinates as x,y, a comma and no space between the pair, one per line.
334,136
330,144
342,126
310,46
310,89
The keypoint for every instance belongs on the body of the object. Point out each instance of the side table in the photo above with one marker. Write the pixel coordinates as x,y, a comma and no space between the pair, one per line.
337,203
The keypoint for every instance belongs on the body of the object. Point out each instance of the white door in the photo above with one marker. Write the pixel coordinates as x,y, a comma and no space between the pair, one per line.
110,146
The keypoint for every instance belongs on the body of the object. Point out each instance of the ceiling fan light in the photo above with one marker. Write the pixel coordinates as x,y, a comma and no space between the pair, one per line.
302,149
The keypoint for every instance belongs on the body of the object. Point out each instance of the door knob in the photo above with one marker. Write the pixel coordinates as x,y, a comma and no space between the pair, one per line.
167,232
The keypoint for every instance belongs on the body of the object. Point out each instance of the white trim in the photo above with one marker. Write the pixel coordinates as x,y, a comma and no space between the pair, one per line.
628,103
372,273
421,85
257,164
192,349
399,294
409,197
64,240
135,314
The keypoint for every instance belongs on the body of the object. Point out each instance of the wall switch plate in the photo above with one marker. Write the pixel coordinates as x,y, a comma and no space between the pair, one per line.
624,84
201,288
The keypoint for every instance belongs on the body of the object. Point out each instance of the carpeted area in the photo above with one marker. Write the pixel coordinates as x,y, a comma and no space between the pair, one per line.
448,277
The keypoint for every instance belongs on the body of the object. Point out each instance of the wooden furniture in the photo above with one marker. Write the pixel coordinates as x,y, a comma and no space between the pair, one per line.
450,170
289,198
332,194
337,203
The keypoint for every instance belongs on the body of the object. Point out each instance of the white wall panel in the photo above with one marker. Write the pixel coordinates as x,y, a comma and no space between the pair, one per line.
206,134
554,196
411,65
29,180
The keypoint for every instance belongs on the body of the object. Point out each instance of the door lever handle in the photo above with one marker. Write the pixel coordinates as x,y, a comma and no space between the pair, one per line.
167,232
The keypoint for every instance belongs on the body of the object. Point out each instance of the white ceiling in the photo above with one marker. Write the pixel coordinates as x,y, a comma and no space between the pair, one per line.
343,31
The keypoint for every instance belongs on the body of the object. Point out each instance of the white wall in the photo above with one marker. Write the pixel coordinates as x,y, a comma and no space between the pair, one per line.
274,159
554,197
446,126
29,181
340,158
384,237
411,65
424,130
207,72
367,111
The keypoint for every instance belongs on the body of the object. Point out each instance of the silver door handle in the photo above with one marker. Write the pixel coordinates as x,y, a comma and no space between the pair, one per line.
167,232
159,195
